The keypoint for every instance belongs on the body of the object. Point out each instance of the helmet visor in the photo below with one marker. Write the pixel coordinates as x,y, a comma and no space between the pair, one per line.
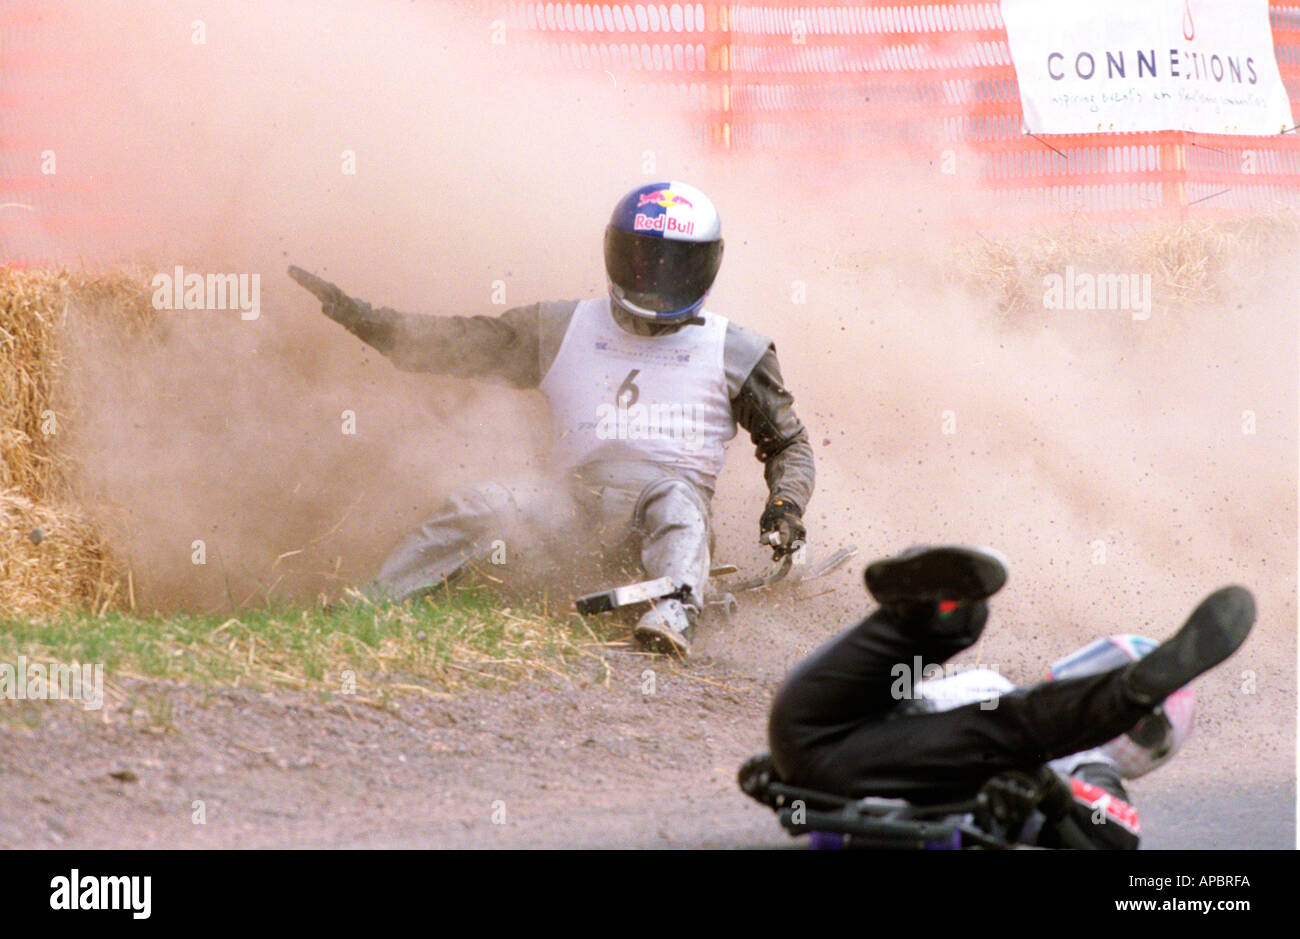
661,274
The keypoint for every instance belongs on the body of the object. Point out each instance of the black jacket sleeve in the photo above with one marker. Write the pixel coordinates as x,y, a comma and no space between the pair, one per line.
765,408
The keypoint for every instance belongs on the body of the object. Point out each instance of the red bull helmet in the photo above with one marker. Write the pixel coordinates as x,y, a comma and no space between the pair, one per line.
663,248
1155,738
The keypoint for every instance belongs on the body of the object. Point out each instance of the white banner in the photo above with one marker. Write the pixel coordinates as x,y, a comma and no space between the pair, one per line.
1099,66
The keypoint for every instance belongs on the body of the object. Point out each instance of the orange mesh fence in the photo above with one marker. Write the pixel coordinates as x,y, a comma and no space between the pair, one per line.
48,210
930,80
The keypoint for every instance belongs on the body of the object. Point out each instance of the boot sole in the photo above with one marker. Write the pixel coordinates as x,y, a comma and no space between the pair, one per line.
948,572
1216,629
663,641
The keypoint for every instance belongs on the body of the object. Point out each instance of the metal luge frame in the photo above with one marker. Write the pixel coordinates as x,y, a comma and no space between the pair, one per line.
872,822
647,591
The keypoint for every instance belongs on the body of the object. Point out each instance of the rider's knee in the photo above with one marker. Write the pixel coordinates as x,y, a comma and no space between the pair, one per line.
538,506
671,501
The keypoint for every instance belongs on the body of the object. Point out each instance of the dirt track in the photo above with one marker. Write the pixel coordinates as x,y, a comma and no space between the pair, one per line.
581,765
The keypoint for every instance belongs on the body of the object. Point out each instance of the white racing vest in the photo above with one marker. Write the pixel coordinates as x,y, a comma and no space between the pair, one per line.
617,396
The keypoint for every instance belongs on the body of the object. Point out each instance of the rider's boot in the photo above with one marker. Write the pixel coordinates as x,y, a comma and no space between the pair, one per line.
668,627
1216,628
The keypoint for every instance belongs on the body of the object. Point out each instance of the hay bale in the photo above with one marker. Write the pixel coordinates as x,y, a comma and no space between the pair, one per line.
52,557
70,564
30,309
1186,259
34,307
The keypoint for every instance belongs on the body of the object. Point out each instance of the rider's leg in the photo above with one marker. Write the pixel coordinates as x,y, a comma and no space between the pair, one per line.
853,680
665,516
949,754
931,608
465,530
663,513
673,519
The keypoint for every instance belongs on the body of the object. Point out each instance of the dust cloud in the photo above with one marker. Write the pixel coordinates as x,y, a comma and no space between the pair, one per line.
392,149
1109,457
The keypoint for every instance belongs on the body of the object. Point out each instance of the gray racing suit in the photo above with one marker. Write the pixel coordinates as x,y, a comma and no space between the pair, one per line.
659,510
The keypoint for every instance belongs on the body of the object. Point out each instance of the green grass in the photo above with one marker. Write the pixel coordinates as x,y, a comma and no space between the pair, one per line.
458,637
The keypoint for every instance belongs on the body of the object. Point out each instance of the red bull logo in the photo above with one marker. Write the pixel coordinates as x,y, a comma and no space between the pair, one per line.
663,197
662,223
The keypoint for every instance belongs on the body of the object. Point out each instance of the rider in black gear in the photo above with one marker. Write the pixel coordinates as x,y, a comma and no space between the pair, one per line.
838,726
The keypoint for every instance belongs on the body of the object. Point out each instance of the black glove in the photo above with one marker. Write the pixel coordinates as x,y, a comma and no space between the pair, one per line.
335,304
1009,798
782,527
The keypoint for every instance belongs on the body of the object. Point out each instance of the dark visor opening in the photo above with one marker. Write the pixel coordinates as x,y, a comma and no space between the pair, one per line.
661,274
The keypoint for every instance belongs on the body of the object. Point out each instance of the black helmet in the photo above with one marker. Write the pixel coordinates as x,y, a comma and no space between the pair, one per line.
663,247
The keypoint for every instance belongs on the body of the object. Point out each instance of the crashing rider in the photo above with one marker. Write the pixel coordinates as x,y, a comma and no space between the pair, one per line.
645,386
1046,761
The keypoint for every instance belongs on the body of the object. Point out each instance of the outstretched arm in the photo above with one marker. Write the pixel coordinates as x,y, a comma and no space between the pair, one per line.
503,349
